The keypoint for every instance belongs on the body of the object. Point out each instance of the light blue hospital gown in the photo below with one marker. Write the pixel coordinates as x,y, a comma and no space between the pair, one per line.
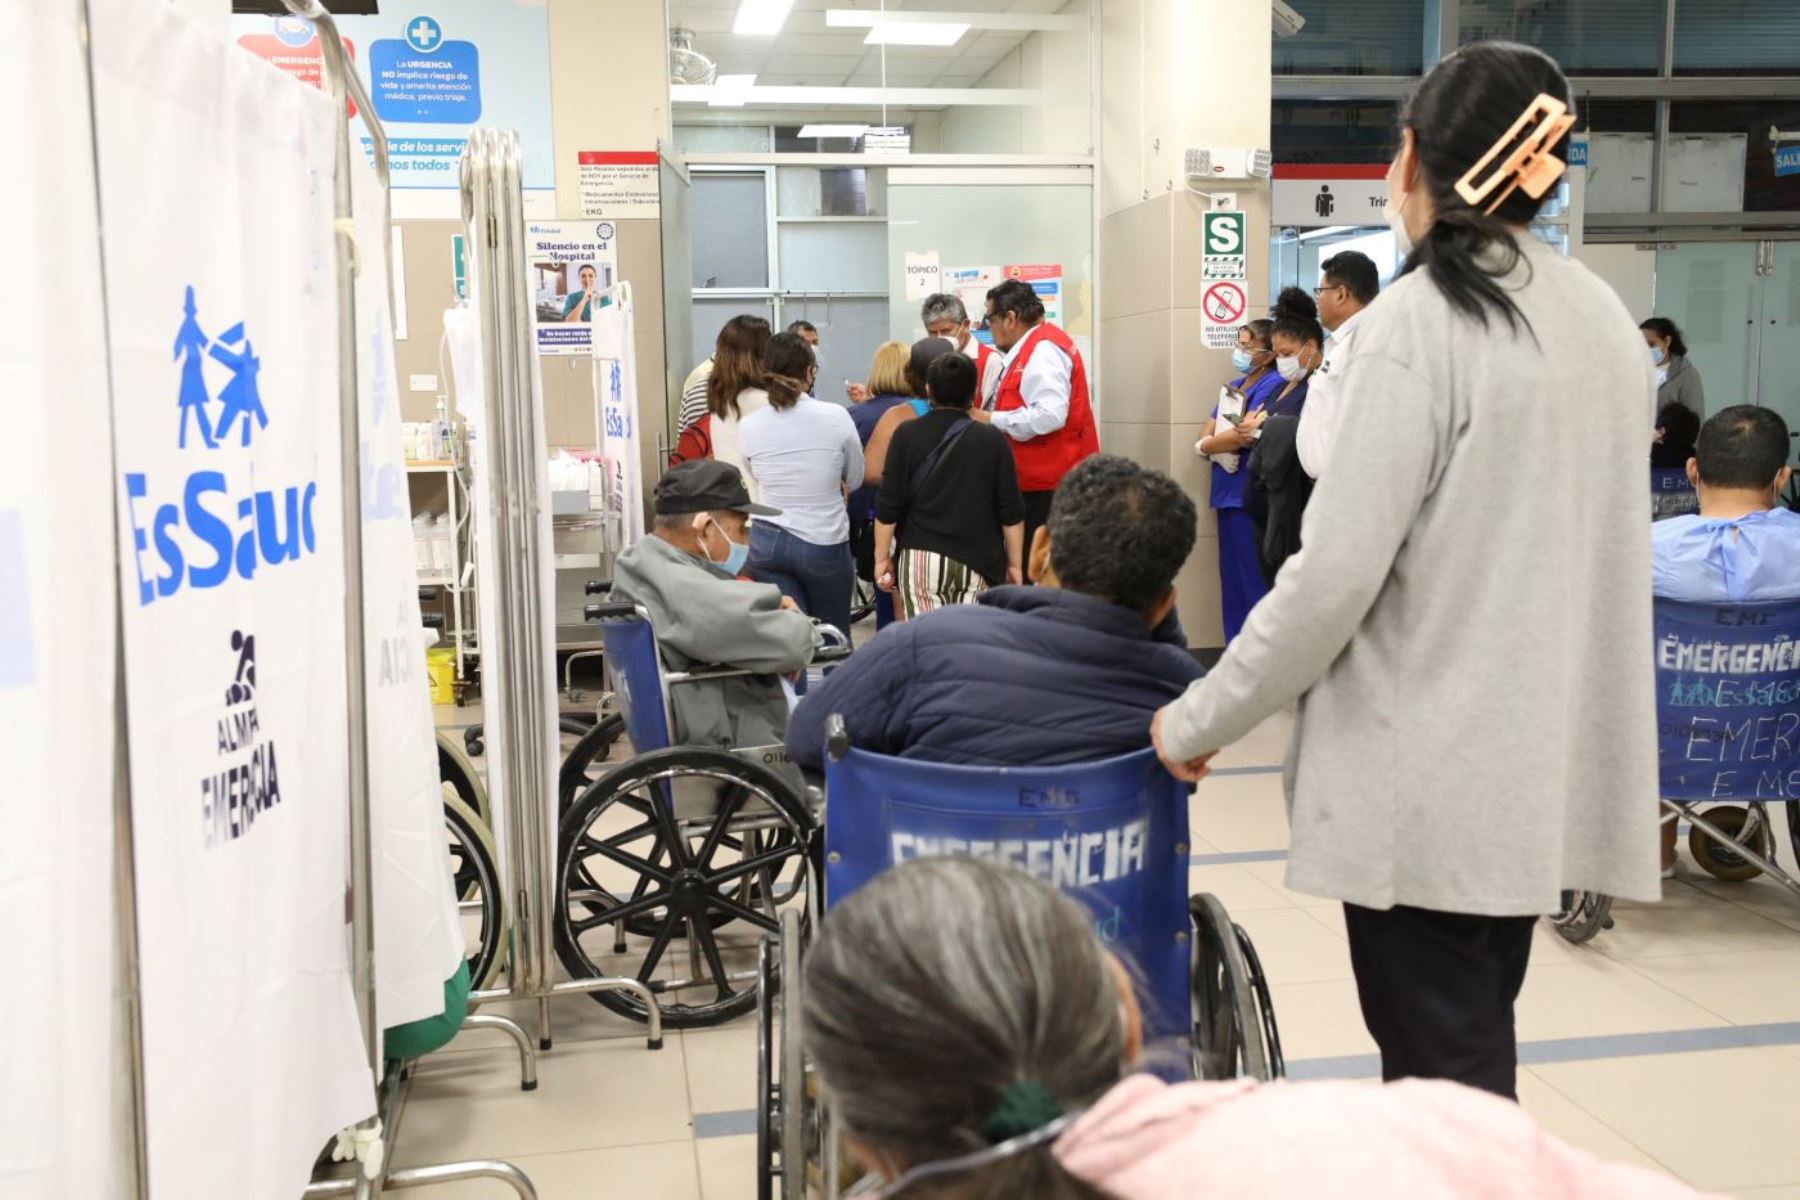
1696,558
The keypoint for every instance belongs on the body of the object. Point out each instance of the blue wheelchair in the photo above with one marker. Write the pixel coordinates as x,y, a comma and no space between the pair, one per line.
699,846
1113,833
1728,730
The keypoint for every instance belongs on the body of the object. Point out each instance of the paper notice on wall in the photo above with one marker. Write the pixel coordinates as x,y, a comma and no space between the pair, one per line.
923,275
970,285
572,263
1046,280
618,184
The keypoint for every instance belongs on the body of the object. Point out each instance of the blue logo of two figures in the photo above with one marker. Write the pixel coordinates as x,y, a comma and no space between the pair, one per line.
239,400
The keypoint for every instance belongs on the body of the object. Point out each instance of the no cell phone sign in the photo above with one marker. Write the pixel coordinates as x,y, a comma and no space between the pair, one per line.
1223,306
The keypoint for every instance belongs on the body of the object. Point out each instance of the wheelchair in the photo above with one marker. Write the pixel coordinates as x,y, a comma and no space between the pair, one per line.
1113,833
474,863
697,844
1728,729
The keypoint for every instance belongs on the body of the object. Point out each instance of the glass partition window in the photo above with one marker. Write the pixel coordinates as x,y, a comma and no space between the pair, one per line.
1588,37
1332,131
711,313
1720,151
1355,37
803,192
1737,37
730,219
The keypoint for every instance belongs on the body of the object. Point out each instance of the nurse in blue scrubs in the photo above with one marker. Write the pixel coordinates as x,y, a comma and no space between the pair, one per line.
1228,446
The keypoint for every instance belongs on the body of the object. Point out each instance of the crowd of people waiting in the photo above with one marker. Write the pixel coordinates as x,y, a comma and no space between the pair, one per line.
1390,565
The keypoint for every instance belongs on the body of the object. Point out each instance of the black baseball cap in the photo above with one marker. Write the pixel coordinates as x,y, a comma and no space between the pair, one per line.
706,485
926,351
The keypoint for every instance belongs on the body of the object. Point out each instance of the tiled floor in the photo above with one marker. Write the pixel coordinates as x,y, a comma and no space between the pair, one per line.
1672,1040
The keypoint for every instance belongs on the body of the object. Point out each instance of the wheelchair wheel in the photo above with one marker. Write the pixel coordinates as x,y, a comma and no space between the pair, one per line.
1583,915
1747,827
1228,1036
455,769
768,1098
481,901
1265,1006
794,1154
862,600
631,867
585,760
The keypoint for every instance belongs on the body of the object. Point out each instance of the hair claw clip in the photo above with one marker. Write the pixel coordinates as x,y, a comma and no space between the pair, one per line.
1530,166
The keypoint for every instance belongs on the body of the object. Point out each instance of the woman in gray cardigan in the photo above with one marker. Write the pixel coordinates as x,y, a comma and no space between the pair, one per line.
1467,628
1678,380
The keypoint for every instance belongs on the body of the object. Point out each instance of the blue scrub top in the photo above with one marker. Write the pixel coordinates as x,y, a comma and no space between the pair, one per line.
1228,486
1695,558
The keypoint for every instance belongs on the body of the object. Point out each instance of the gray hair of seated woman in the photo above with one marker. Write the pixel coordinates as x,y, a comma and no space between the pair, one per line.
937,987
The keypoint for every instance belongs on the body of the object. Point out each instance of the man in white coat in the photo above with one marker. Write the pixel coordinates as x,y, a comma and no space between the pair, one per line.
1349,283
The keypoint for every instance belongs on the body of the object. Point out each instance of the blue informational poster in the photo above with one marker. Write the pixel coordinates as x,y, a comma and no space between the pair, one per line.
435,70
1787,160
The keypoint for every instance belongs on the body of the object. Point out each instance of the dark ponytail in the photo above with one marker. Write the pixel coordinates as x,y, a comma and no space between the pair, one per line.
1459,112
1666,329
786,363
1297,316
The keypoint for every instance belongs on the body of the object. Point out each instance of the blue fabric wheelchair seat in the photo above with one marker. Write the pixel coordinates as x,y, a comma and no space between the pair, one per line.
631,654
1112,833
1728,701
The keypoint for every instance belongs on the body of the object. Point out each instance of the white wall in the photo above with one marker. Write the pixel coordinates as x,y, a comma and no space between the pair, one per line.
1630,271
1053,62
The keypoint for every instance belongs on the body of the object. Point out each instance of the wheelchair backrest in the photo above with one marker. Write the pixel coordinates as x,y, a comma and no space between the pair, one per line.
635,664
1728,700
1671,494
1113,834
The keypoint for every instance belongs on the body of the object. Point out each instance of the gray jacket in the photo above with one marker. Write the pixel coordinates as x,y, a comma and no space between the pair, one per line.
1682,387
1467,627
704,617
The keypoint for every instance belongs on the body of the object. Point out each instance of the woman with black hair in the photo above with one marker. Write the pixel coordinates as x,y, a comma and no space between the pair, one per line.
1677,379
1680,396
1279,486
1467,630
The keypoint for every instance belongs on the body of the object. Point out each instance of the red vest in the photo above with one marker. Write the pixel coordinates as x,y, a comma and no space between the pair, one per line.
983,352
1043,461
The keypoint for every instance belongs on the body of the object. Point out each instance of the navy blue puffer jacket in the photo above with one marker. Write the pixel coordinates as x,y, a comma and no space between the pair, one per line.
1029,676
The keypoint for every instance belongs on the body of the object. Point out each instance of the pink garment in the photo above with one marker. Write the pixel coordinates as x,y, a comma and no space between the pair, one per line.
1148,1140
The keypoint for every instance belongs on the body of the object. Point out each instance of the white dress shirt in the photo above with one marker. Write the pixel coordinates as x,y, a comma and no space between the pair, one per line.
989,383
1324,410
1044,387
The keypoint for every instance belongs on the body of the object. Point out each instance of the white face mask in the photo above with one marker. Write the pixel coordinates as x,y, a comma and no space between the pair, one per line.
1396,215
1290,368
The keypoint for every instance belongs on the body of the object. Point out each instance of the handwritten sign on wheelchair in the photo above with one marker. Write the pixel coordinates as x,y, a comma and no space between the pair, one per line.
1728,701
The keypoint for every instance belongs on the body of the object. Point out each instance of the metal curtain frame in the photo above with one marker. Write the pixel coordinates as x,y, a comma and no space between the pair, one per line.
338,80
494,225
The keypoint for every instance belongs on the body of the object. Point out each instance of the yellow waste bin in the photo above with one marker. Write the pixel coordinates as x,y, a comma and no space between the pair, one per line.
440,669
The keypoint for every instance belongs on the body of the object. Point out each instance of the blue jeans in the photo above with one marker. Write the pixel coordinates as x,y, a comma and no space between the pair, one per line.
817,578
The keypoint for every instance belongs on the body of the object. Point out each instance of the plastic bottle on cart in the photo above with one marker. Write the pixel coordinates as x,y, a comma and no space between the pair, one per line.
441,431
441,546
421,531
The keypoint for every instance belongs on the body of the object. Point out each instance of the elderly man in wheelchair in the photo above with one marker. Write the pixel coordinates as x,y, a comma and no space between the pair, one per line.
709,825
1727,593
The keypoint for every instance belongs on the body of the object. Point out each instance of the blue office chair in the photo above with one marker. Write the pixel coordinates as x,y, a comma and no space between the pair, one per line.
1728,729
675,845
1113,834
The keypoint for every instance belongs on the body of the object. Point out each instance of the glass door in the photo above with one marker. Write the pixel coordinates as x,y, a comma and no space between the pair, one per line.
1778,354
1712,292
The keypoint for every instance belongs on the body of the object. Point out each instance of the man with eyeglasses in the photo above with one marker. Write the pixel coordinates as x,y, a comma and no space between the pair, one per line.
1041,402
1350,284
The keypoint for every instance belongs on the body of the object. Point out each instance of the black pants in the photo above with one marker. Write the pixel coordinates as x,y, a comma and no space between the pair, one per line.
1037,514
1437,992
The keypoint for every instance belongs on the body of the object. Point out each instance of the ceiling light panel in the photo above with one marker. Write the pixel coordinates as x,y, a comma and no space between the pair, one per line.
833,131
761,18
915,33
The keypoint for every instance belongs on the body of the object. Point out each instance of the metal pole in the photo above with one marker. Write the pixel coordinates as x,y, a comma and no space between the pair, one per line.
362,920
127,987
